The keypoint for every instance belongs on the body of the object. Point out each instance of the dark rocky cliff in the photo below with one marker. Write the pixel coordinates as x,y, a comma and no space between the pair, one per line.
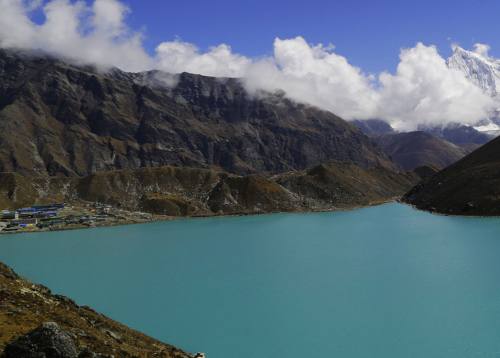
61,119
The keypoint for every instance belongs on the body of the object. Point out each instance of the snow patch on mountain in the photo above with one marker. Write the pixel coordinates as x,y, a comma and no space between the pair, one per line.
484,71
478,67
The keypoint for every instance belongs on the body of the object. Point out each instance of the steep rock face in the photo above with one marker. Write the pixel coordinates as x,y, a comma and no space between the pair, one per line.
469,187
415,149
60,119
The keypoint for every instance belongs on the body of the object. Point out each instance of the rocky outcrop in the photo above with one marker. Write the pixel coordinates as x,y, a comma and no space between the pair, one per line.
46,341
58,119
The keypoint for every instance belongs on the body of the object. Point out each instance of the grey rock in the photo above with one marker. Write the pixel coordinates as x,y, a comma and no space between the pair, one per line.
46,341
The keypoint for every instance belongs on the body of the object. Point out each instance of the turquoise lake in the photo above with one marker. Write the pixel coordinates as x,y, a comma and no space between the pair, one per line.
385,281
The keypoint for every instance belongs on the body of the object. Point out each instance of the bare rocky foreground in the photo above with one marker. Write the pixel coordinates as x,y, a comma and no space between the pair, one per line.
36,323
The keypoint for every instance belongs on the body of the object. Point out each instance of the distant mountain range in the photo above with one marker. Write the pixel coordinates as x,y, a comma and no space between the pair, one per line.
463,136
435,147
483,71
195,145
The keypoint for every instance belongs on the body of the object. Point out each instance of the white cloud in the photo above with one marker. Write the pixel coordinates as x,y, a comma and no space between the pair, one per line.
96,34
312,74
108,18
422,91
219,61
16,29
482,49
316,75
32,5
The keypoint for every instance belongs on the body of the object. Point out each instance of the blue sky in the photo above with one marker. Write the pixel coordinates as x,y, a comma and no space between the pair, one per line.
369,33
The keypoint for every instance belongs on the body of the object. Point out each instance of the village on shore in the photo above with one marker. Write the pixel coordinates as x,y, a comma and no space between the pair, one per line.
62,216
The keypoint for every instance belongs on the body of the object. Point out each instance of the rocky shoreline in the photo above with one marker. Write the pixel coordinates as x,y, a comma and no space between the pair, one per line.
160,218
167,192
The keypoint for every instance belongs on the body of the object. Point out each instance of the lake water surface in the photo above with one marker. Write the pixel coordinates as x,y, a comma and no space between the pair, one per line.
386,281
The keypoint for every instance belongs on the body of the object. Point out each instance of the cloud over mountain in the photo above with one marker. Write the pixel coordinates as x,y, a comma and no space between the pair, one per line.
425,91
422,91
88,34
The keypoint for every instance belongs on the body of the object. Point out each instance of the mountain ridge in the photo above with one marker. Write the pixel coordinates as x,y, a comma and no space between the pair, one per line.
61,119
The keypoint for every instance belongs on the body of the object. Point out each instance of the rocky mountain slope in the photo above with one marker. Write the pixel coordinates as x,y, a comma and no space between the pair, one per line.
415,149
61,119
469,187
36,323
181,191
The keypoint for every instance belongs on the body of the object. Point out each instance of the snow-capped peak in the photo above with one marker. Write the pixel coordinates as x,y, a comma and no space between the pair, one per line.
478,67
